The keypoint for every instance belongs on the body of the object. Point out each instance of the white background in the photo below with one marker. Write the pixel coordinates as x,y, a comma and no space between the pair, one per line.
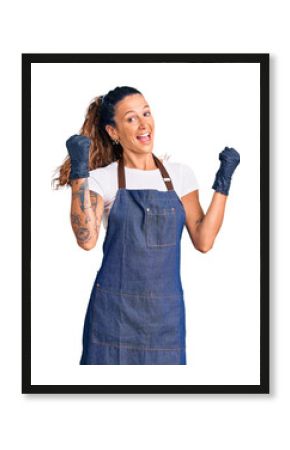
201,421
212,106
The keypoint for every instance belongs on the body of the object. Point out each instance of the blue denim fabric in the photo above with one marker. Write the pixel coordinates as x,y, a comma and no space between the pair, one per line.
136,312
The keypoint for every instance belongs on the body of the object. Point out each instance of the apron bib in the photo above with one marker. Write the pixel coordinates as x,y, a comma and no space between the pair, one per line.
136,312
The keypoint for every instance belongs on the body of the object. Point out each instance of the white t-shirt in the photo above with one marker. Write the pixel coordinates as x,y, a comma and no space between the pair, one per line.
104,181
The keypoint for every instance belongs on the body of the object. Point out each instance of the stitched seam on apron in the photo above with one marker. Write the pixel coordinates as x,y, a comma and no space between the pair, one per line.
138,348
138,295
124,246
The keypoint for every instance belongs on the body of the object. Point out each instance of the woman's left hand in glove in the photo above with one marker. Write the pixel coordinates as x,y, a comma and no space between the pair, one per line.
229,159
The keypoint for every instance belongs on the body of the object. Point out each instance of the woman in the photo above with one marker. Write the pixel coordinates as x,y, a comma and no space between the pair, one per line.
136,312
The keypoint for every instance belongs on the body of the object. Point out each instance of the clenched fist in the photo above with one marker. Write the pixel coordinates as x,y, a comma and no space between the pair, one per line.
229,158
78,147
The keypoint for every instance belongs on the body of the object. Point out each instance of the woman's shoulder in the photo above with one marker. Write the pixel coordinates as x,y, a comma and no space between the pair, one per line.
175,165
103,181
99,171
183,176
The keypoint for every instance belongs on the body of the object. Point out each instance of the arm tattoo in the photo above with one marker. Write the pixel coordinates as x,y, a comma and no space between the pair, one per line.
83,234
75,219
79,221
84,186
93,197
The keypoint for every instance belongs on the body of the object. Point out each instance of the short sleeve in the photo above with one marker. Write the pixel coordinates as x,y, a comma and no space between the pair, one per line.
95,185
189,181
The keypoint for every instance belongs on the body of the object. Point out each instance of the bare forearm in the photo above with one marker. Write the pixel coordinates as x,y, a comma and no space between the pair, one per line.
83,214
211,222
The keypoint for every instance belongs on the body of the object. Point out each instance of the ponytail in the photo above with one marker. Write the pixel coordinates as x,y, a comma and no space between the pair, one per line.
102,151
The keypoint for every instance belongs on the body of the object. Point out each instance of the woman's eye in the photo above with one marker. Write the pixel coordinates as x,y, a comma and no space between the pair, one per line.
133,117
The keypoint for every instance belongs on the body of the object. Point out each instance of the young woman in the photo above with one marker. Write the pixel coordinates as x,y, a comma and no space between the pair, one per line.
136,312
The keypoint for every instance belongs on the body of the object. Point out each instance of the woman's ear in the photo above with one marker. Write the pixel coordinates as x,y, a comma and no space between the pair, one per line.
111,132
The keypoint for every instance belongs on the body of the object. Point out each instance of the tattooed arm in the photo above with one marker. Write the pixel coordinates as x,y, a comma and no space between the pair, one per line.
86,213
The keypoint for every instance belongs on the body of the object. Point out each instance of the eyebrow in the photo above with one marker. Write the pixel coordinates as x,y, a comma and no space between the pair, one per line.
146,106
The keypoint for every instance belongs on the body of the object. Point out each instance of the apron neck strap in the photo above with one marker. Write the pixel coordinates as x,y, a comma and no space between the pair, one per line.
160,166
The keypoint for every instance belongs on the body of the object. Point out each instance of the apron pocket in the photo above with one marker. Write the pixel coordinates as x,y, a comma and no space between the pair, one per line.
160,227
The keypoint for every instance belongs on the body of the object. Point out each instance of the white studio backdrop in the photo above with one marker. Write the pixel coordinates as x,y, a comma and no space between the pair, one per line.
198,110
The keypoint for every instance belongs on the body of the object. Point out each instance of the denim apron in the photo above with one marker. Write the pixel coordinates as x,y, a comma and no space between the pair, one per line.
136,312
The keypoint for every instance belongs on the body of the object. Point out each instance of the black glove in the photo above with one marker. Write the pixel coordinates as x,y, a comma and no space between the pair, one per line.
229,158
78,147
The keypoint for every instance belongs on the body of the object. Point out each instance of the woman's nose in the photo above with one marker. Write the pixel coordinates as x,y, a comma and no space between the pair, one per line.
142,122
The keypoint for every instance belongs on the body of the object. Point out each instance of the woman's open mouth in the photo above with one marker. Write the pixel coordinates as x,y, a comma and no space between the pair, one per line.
145,137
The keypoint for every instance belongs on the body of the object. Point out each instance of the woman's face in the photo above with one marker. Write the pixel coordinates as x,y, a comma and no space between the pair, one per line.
134,124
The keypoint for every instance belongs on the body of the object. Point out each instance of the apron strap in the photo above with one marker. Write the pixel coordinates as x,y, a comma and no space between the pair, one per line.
160,166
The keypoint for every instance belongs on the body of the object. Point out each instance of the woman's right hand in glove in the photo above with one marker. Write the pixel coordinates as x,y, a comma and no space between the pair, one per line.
78,147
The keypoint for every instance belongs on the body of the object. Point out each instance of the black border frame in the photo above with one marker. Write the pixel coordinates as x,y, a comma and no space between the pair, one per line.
264,60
